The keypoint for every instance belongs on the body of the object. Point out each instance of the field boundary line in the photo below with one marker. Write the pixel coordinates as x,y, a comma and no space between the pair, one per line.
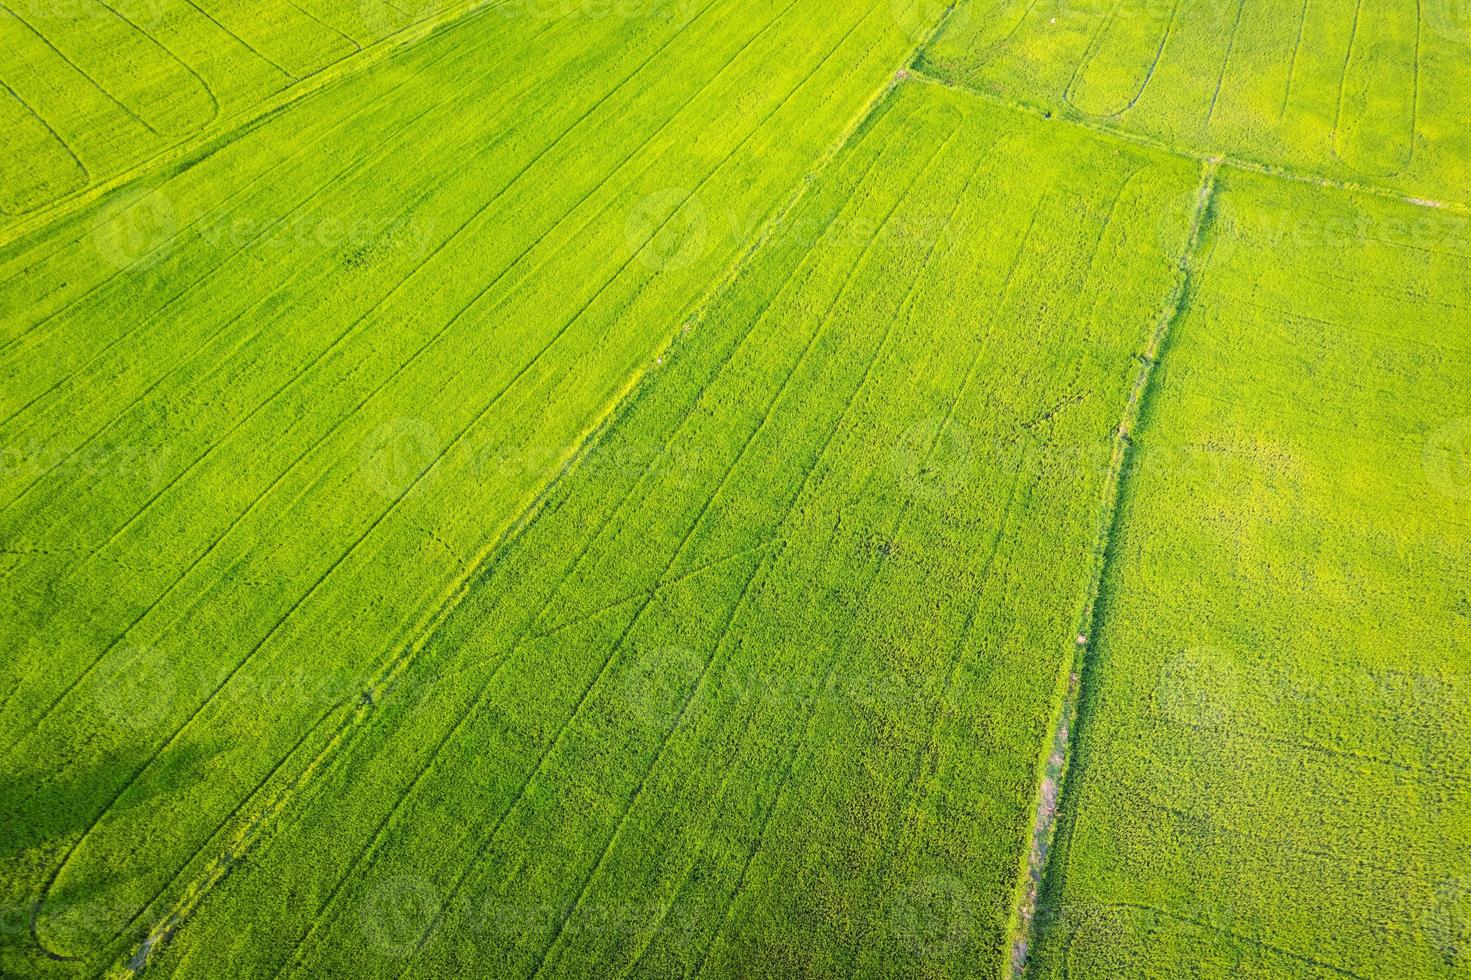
207,142
931,74
920,781
1057,751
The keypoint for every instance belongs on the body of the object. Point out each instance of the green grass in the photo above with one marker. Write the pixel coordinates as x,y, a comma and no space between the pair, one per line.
582,489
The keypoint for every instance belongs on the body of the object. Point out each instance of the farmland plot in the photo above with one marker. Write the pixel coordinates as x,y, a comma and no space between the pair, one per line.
1372,92
249,451
90,90
760,687
1273,772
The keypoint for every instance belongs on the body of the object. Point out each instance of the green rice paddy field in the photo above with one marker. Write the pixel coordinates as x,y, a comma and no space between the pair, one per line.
735,488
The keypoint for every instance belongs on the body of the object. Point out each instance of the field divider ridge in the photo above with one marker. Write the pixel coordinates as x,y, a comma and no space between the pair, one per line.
1056,752
933,75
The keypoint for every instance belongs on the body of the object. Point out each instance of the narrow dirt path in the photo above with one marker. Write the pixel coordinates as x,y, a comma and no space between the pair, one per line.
1053,765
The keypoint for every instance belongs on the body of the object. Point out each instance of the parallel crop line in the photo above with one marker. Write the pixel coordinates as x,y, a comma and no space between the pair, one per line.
905,304
79,70
319,21
798,748
1090,52
335,564
385,149
400,498
914,792
254,829
242,42
660,586
1159,54
86,174
679,550
370,847
352,166
590,541
203,83
1225,62
1302,21
758,843
696,852
183,151
1348,58
1006,38
1415,88
337,342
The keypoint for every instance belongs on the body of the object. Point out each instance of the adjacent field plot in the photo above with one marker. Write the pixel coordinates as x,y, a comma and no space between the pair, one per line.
1273,774
249,450
1365,91
90,88
760,688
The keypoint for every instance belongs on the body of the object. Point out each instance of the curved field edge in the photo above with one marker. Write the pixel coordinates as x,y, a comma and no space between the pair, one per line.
28,224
